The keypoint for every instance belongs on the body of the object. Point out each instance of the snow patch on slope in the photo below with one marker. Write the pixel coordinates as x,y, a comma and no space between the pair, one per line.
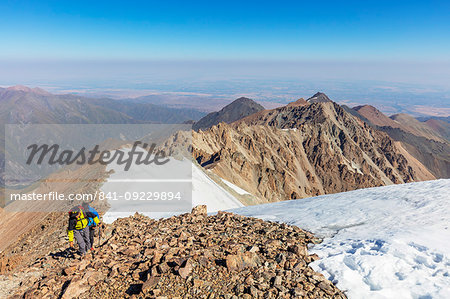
385,242
204,192
234,187
207,192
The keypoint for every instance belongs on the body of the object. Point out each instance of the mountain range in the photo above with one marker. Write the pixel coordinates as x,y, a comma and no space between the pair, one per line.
306,148
24,105
303,150
21,104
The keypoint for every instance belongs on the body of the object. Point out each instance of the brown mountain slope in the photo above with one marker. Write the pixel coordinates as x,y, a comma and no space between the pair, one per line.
440,126
426,143
299,102
432,154
296,152
404,122
418,128
376,117
19,217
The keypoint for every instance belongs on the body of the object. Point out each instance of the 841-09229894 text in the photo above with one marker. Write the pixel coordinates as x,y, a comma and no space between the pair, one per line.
151,196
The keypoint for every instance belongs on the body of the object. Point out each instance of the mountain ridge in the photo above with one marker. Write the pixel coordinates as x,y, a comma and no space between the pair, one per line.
300,151
24,88
236,110
429,145
26,105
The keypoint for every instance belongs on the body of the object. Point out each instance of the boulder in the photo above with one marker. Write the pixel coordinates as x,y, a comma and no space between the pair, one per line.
241,261
199,210
151,282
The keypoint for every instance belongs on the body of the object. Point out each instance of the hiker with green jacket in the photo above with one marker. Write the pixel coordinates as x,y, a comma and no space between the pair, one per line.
78,228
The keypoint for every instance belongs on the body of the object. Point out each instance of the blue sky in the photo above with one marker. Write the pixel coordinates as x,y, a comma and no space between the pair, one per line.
395,41
264,30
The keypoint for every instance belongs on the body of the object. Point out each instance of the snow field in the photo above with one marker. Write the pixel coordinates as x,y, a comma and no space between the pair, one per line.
385,242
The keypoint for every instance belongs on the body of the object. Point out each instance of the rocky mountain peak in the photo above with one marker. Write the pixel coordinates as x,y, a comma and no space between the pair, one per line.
319,97
242,103
366,107
232,112
242,100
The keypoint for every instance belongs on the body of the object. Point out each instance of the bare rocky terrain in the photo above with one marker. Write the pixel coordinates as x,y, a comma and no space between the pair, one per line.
188,256
303,150
431,129
428,141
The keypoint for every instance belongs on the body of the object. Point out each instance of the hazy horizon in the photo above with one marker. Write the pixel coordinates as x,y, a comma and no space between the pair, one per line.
358,52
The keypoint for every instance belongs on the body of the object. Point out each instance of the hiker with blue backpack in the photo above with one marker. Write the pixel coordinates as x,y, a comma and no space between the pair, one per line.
81,221
93,224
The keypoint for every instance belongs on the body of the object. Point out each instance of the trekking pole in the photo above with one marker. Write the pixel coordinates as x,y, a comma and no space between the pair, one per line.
100,234
64,257
67,253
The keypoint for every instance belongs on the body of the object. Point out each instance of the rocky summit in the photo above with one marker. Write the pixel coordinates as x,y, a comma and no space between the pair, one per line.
187,256
234,111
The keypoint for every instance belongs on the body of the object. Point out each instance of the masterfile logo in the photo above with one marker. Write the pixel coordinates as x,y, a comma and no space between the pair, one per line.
48,167
52,155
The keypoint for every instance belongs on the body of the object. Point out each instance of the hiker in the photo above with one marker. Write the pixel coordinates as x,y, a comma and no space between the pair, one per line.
78,228
93,222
